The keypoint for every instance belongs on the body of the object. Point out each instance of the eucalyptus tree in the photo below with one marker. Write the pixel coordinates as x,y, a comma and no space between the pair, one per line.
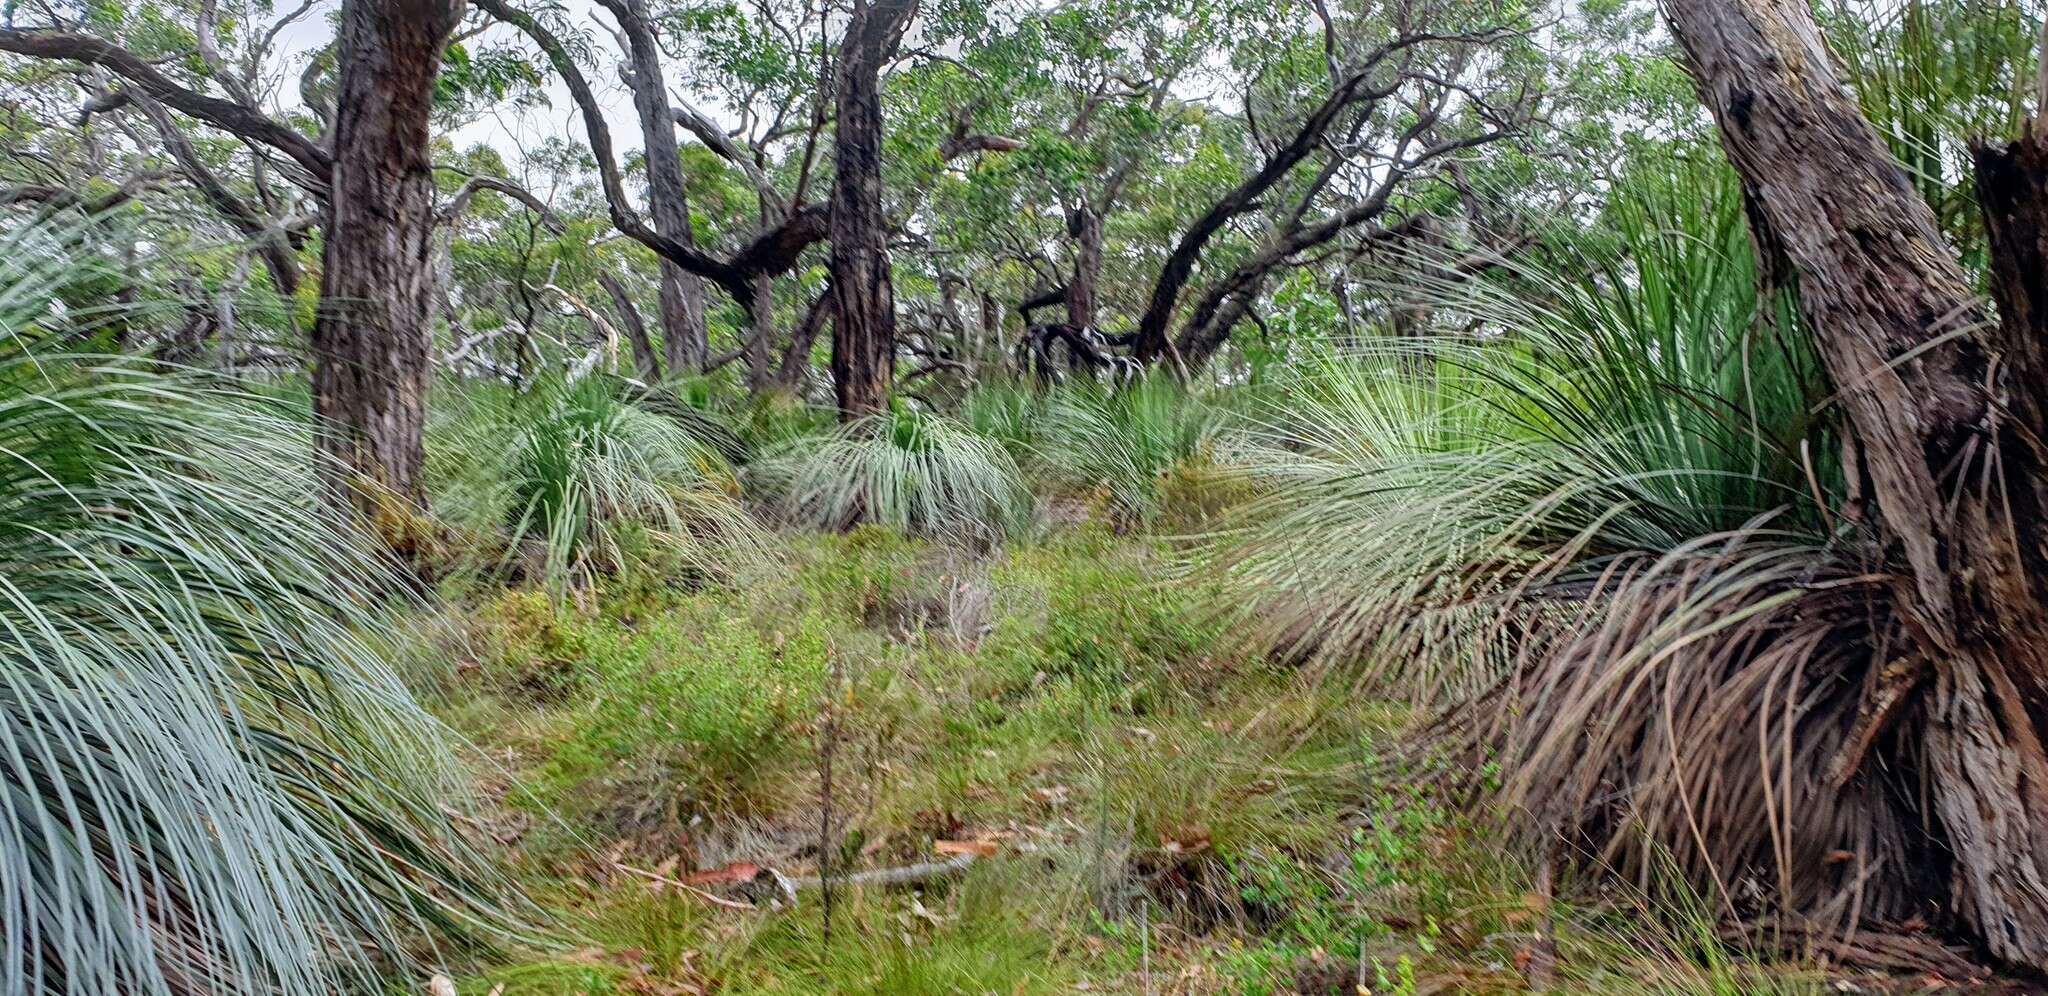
863,296
86,130
1352,114
682,300
369,170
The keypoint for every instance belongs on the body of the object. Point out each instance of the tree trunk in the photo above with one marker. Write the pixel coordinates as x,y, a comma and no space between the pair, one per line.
1956,485
789,376
371,342
863,300
991,344
682,294
759,347
646,363
1085,226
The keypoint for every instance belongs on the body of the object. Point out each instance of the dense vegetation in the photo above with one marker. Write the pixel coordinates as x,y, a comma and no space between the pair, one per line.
535,497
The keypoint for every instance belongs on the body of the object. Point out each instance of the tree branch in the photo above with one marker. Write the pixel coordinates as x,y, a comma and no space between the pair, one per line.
43,43
623,216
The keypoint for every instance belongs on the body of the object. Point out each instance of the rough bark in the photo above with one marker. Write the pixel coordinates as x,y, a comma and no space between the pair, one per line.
1084,224
759,349
991,341
789,376
371,342
682,295
1955,482
863,298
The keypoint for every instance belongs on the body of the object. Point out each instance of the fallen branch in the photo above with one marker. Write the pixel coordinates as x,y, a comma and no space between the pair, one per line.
789,887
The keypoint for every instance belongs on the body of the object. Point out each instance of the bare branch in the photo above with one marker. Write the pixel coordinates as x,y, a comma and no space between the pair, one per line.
43,43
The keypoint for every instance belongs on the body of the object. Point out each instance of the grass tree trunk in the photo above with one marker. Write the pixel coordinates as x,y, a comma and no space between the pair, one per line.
863,299
371,342
1944,411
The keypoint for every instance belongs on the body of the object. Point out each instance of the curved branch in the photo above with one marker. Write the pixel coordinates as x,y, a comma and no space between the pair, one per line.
45,43
628,221
1354,89
776,250
715,139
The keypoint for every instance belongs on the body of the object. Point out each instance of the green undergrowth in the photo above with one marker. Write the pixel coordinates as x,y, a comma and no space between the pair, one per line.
1160,802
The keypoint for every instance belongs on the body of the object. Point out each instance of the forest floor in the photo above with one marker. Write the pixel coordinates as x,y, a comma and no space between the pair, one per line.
1127,802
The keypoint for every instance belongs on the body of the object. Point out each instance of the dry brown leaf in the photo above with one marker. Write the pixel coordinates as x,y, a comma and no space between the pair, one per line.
978,848
739,872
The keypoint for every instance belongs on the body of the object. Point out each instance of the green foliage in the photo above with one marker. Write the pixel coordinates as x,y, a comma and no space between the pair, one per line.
211,782
693,711
924,474
1933,76
1126,442
1629,411
583,478
1087,613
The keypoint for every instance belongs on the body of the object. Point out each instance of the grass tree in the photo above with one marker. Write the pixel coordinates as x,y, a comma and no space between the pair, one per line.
920,473
1608,542
1945,412
575,478
211,783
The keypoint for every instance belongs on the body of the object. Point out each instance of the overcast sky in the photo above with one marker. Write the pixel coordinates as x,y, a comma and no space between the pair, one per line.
508,128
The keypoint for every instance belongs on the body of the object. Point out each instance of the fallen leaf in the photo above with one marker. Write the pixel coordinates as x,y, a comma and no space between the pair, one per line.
739,872
979,848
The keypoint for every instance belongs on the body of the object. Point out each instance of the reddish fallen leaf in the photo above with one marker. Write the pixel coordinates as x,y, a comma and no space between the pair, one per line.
1185,840
740,872
978,848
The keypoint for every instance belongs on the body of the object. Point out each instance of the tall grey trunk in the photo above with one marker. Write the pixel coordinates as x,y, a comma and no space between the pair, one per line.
682,293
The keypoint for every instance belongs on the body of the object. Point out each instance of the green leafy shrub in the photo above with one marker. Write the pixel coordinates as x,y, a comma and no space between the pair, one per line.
1081,610
693,712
